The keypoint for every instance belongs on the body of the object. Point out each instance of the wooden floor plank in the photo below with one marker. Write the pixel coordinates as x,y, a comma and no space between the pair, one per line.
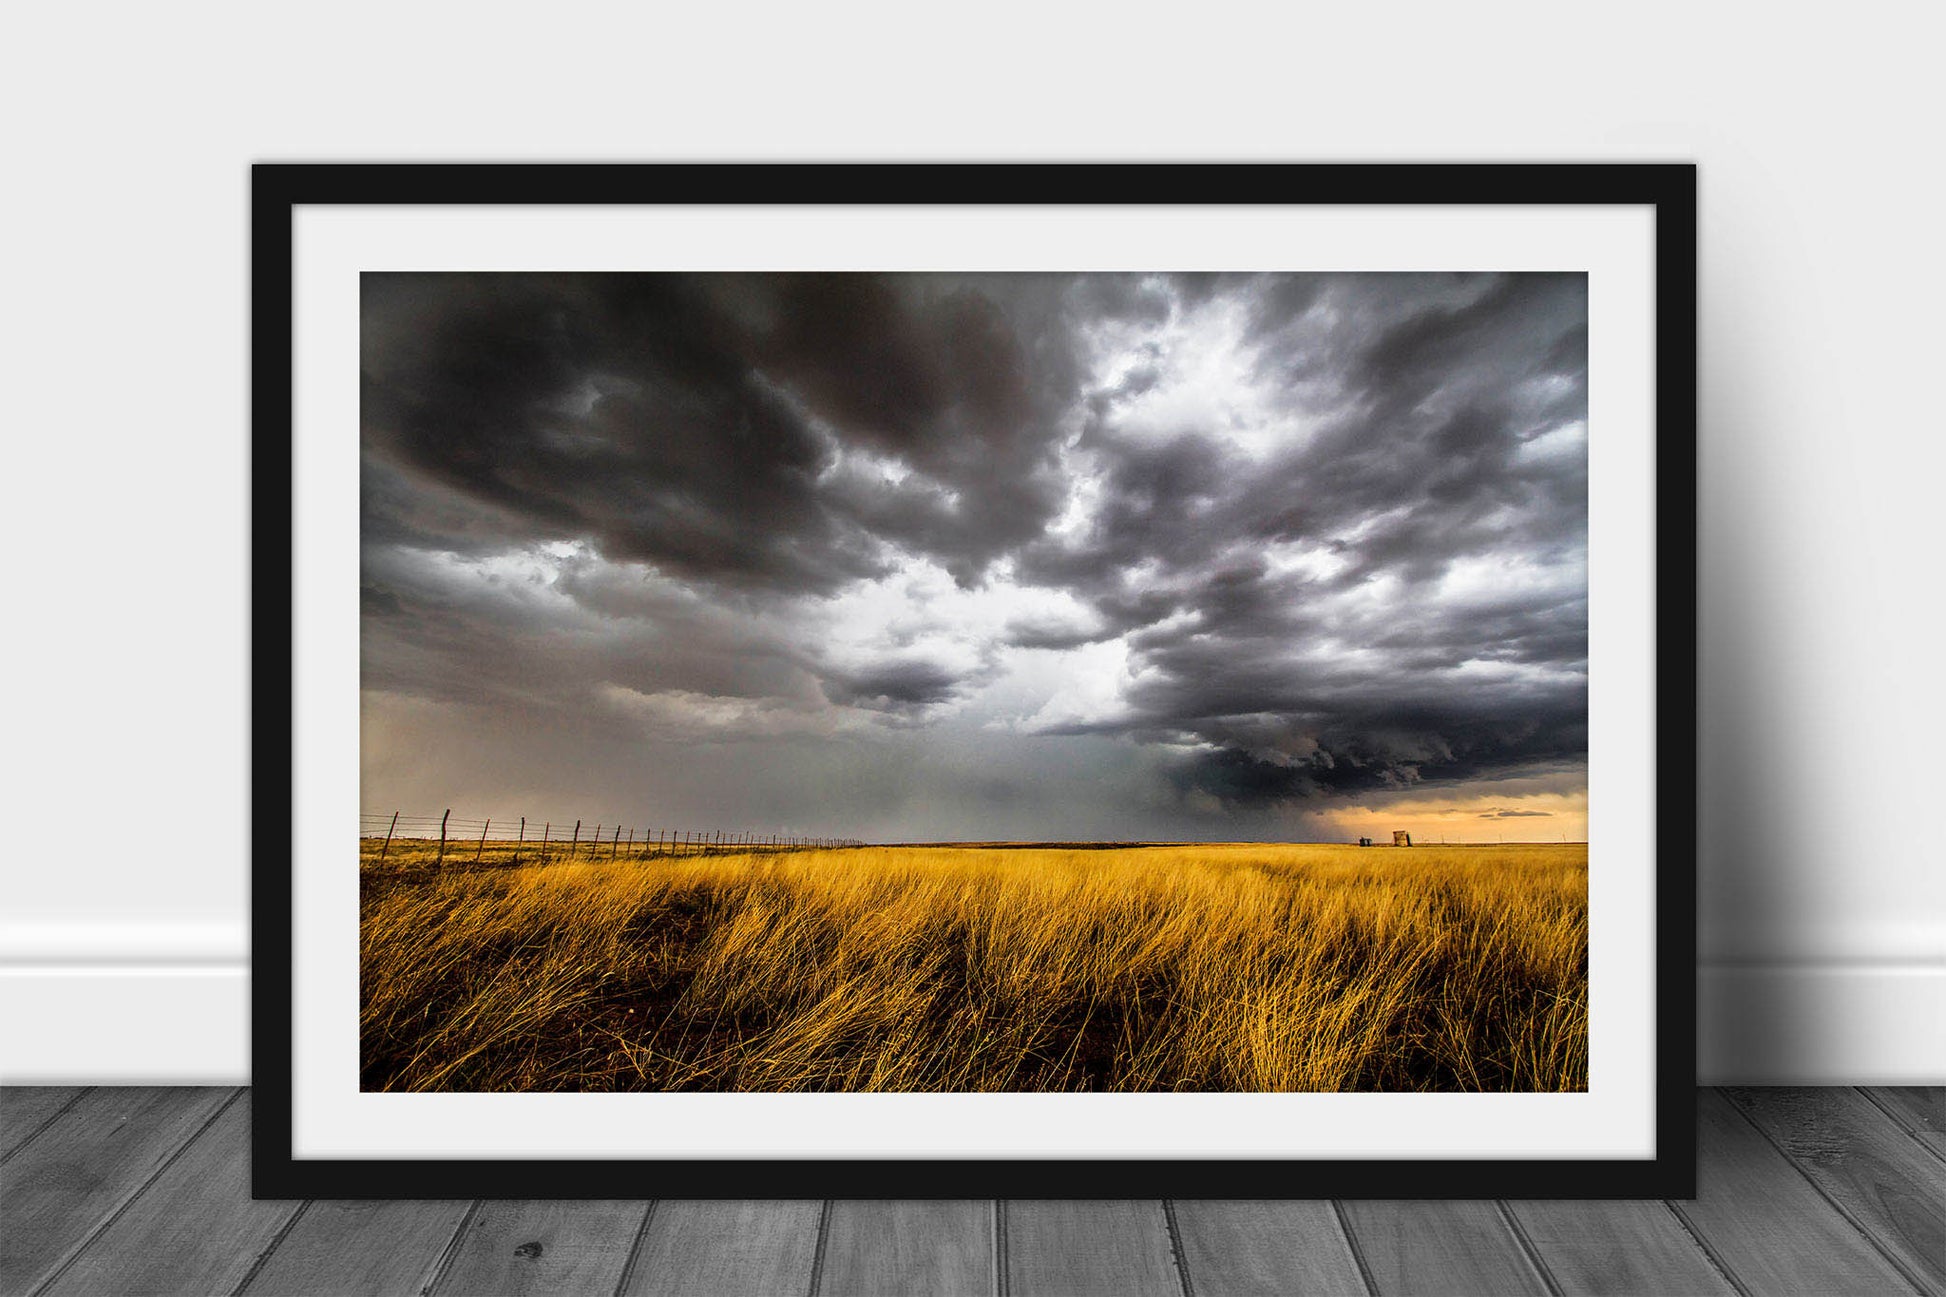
1089,1249
922,1248
94,1157
1617,1247
1440,1248
1776,1234
573,1249
350,1248
194,1230
24,1109
751,1248
1890,1187
119,1192
1242,1249
1920,1109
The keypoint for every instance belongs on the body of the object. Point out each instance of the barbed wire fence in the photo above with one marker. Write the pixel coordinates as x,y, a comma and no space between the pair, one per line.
382,833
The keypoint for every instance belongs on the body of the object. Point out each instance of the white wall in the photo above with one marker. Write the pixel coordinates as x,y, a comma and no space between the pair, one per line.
123,939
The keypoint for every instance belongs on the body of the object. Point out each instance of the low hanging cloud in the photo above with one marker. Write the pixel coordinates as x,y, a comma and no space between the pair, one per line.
1328,532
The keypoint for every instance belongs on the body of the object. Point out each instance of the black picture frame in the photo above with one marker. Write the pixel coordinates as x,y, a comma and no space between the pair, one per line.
279,189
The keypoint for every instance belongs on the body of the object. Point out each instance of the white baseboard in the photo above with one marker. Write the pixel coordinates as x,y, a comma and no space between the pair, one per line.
162,1001
155,1007
156,1024
1837,1023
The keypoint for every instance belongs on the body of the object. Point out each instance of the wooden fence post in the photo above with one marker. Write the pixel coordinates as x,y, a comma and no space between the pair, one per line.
523,839
388,836
575,845
616,845
442,835
545,826
482,847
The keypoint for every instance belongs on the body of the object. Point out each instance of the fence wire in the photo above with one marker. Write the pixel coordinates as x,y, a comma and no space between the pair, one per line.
455,838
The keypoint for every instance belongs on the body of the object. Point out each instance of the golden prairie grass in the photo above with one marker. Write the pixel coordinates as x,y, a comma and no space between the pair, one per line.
1209,967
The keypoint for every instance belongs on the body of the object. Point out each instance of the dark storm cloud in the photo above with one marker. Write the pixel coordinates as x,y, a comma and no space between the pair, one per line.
701,423
1029,633
1350,560
447,629
894,685
1424,401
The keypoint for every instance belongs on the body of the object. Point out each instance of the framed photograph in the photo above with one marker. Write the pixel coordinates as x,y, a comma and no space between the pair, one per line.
956,681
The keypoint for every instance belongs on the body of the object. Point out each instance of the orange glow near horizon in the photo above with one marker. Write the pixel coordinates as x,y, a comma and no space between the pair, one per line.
1539,817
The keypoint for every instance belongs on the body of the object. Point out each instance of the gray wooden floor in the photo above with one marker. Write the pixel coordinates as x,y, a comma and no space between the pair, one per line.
1833,1192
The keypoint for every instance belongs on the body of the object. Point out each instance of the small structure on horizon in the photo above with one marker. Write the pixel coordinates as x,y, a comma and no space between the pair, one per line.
1400,838
1364,842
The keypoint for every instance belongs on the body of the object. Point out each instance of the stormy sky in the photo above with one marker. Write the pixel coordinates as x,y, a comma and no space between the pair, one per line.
932,556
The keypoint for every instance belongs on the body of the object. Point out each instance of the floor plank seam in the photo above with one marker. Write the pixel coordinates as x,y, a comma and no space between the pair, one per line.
34,1134
120,1209
1912,1132
1176,1250
1920,1285
1525,1246
276,1241
817,1256
450,1253
633,1258
1001,1283
1714,1257
1357,1252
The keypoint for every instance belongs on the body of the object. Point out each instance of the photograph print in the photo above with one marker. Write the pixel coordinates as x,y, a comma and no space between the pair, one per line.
999,682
